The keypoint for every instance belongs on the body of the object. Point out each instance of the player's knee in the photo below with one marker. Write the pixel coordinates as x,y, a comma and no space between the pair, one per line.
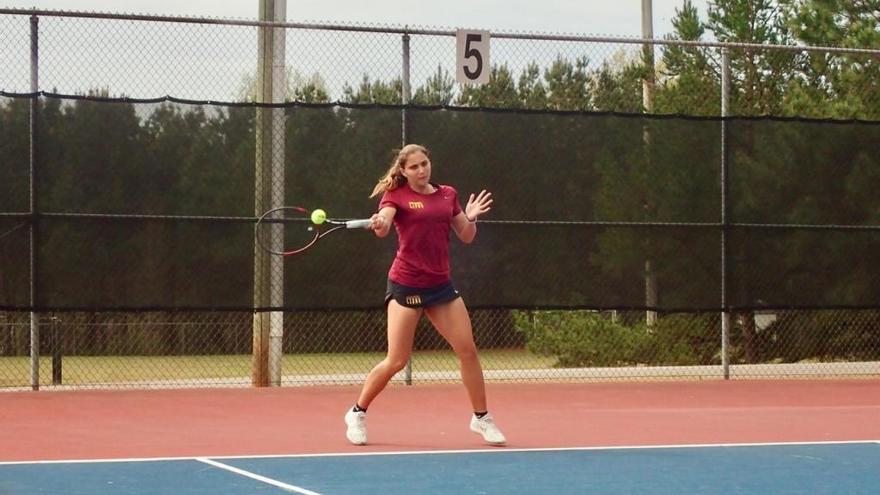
396,364
466,353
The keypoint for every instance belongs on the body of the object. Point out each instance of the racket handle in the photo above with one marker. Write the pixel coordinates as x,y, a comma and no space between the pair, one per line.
357,224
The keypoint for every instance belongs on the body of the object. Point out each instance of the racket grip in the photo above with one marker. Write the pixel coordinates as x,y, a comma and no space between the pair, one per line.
357,224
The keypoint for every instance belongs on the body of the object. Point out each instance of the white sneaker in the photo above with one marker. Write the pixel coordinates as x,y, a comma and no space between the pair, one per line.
357,427
486,426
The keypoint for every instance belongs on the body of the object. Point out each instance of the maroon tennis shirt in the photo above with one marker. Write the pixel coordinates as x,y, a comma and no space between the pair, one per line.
423,222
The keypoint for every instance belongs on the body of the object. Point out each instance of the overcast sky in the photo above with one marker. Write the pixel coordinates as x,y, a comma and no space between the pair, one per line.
591,17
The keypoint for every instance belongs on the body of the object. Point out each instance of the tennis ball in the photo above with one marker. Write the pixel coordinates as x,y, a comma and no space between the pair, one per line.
318,216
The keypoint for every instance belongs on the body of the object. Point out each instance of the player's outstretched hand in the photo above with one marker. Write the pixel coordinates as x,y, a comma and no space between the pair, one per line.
478,205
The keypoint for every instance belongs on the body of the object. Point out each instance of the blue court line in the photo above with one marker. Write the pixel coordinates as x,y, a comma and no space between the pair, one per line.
814,468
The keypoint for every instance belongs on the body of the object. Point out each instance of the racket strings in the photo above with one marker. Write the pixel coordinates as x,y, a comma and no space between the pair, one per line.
289,230
286,230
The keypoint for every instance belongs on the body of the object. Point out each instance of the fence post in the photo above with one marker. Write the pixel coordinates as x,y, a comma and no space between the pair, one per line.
268,333
725,110
34,205
404,138
648,102
57,343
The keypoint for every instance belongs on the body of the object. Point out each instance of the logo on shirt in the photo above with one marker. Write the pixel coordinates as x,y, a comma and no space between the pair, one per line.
415,300
416,205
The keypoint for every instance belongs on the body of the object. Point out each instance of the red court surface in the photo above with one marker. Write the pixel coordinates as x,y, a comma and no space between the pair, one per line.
65,425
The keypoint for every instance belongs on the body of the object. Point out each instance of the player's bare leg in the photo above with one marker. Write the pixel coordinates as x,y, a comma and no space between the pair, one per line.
402,322
453,322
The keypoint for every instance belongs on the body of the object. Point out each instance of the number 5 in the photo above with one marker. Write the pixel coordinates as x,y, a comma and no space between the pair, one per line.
472,62
473,52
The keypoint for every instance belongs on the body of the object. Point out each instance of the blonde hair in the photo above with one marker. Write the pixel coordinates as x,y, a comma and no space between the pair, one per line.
394,178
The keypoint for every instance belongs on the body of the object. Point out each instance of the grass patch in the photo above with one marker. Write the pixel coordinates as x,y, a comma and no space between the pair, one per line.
86,370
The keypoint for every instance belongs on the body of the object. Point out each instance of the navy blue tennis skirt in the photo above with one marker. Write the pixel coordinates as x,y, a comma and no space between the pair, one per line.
420,297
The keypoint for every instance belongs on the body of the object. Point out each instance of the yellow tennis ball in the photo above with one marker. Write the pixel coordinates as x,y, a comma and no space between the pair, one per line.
318,216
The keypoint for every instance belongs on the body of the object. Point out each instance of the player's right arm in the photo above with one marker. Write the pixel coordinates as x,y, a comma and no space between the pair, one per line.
380,223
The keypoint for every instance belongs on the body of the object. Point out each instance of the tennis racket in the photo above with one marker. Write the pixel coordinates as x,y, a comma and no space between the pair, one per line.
289,230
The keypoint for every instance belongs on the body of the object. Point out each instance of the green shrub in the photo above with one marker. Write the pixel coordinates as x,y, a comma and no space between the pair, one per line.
588,338
834,335
683,339
579,338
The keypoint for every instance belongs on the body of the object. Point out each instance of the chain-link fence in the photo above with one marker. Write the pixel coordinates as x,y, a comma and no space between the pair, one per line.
120,316
190,349
216,60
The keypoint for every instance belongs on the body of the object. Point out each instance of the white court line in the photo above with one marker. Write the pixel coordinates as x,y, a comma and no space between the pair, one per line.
270,481
430,452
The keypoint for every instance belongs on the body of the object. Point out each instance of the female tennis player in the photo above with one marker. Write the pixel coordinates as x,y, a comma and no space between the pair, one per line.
423,212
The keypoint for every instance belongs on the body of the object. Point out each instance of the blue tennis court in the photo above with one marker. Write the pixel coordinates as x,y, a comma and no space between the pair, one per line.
816,468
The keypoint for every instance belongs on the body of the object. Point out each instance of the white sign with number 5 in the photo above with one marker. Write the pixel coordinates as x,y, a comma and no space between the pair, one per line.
472,57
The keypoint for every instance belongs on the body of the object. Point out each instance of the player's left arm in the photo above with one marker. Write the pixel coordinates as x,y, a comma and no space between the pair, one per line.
465,223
